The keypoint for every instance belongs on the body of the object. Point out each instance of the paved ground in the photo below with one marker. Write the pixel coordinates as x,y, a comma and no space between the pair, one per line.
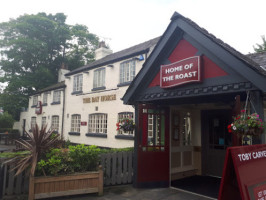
4,147
127,192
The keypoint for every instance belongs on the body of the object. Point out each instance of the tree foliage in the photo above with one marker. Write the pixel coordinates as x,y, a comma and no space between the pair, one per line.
33,48
260,47
6,120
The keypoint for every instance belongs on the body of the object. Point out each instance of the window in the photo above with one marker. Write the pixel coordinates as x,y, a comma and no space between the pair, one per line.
124,115
156,127
33,122
98,123
34,100
75,123
55,123
56,97
127,71
99,78
43,121
77,84
45,96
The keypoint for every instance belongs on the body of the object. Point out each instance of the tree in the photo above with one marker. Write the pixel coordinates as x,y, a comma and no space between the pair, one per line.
260,47
6,120
33,48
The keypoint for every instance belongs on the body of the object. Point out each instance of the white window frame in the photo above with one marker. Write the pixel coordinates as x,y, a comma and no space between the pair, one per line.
124,115
45,98
98,123
75,123
77,83
43,121
55,123
57,96
99,78
127,71
33,122
34,100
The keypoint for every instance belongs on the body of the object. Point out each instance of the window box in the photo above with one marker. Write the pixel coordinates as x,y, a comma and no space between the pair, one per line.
124,137
55,103
124,84
100,135
99,88
74,133
34,106
77,92
45,104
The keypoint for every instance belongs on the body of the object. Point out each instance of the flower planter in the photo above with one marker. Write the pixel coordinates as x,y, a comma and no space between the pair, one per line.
55,186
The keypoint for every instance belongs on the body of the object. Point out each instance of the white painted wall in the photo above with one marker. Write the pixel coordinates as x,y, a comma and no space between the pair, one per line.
75,105
47,111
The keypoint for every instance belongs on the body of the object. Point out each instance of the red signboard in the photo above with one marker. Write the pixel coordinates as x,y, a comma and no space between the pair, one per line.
38,109
180,72
244,174
83,123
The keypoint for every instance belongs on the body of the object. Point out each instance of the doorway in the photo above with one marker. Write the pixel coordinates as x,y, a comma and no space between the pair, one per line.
215,140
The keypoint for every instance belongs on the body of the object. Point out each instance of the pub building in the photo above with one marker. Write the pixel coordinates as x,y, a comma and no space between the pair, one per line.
184,98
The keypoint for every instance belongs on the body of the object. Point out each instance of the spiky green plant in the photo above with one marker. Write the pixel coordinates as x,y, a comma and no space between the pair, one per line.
38,143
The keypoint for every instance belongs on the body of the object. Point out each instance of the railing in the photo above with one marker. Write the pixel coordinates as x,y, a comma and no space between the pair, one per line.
10,184
117,169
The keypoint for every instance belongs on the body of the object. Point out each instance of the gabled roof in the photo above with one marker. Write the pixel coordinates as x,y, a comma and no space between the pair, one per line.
249,60
259,58
179,27
115,57
52,87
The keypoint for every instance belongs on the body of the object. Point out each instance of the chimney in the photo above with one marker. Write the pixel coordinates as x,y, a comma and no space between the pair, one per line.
102,51
61,73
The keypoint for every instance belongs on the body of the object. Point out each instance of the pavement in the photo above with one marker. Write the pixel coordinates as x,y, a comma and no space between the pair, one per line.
5,148
127,192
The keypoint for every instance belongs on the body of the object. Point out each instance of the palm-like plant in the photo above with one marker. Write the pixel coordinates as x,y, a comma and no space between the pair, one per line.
38,143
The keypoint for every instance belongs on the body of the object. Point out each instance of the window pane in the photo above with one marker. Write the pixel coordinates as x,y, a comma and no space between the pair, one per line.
127,71
55,123
75,123
98,123
99,78
156,128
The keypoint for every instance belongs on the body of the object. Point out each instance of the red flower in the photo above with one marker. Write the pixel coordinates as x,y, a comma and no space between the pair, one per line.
229,127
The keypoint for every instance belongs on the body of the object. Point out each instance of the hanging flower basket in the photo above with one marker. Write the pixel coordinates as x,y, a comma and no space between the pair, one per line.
125,125
245,124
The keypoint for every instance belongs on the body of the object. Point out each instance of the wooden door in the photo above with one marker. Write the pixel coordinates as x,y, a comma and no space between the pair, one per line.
181,145
215,140
153,147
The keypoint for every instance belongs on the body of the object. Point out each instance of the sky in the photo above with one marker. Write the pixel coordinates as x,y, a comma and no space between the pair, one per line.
124,23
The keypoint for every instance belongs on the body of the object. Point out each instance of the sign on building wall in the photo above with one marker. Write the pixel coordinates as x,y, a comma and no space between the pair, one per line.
180,72
38,109
83,123
111,97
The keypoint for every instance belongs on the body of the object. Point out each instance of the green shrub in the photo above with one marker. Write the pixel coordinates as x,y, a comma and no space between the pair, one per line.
56,162
85,158
6,120
79,158
114,150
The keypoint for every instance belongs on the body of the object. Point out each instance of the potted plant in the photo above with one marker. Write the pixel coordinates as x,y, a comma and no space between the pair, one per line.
246,124
125,124
56,171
